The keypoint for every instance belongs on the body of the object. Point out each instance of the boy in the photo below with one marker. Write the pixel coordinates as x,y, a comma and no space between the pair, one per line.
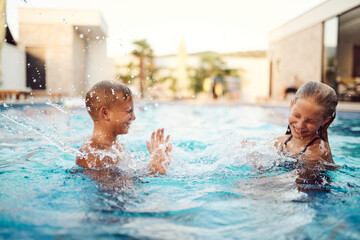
110,105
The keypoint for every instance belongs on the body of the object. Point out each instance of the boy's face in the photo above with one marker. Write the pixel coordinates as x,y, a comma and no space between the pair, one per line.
122,114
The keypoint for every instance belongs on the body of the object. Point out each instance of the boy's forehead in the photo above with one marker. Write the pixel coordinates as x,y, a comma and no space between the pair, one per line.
125,104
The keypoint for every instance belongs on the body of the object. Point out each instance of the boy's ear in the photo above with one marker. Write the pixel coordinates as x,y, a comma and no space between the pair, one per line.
104,113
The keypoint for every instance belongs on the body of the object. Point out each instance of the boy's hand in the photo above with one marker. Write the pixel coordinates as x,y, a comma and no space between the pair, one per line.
159,149
157,142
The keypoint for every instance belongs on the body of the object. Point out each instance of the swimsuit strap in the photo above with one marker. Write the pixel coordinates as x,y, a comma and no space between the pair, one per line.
312,141
287,140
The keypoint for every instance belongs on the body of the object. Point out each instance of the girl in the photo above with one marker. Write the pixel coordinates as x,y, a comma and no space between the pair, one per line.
311,112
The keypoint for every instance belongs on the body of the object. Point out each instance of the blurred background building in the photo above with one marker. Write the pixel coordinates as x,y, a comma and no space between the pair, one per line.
58,52
64,52
321,45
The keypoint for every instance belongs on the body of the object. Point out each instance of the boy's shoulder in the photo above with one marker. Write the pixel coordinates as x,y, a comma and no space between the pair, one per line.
95,155
85,156
88,156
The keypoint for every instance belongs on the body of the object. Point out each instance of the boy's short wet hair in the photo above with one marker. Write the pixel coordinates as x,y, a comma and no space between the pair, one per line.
105,93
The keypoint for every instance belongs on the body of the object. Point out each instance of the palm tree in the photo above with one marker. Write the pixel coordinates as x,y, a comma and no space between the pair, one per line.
146,65
211,65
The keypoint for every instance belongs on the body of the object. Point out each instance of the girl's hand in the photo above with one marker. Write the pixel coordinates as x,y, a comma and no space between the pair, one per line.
246,143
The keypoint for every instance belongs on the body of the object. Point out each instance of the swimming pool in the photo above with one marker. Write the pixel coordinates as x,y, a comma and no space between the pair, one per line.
211,191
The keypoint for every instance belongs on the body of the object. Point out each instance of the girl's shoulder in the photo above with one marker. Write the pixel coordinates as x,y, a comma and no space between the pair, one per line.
282,139
319,150
319,146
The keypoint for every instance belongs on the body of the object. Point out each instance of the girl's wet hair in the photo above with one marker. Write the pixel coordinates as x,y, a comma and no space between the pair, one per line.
105,93
323,95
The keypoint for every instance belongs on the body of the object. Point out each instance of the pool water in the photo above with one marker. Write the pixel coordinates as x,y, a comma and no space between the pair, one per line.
211,190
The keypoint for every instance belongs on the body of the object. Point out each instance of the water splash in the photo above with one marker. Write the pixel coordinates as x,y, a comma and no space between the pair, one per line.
60,145
50,103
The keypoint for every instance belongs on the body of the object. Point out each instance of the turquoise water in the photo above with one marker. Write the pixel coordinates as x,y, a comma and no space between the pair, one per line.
211,190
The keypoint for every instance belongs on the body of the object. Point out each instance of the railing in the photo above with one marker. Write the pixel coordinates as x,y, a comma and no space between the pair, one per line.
4,94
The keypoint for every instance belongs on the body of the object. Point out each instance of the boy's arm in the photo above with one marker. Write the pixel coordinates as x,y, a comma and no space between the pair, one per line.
84,158
159,150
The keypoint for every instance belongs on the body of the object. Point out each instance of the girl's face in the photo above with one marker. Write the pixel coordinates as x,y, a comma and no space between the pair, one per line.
305,118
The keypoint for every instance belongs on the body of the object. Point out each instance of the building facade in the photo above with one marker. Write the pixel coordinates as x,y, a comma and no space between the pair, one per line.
321,45
65,50
250,85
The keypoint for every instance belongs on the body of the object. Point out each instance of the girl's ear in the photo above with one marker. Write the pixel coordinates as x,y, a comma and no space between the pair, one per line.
291,103
326,121
104,113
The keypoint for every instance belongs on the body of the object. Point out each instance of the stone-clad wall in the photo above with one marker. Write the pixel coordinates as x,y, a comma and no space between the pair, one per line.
296,56
80,63
58,43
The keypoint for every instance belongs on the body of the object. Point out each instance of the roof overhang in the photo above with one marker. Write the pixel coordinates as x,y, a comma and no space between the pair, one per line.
89,22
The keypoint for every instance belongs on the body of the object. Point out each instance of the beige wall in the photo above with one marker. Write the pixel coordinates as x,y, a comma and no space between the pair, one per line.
73,63
75,47
13,69
79,58
298,55
58,43
253,72
254,75
100,67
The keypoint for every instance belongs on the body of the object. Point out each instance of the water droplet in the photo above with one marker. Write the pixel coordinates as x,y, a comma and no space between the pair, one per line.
34,80
29,65
88,75
97,37
5,25
5,105
81,35
76,28
89,30
132,76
